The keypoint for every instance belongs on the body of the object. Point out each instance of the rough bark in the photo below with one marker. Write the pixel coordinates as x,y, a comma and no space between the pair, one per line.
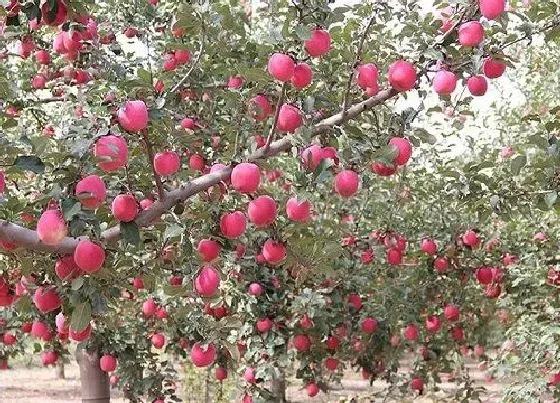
94,382
60,370
278,387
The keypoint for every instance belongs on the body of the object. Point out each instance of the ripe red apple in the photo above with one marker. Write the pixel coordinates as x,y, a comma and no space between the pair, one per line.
452,313
394,256
9,339
303,75
262,211
383,170
470,238
249,375
260,107
39,329
124,207
369,325
133,116
458,334
112,153
402,75
355,301
298,210
233,225
281,66
54,16
89,256
208,249
42,57
312,156
493,68
79,336
48,358
196,162
46,299
207,281
289,119
166,163
38,82
404,150
492,9
256,289
306,322
312,389
301,342
477,85
429,246
246,177
444,82
158,340
169,62
235,82
182,56
66,269
91,191
188,123
484,275
264,325
410,332
273,252
149,308
51,227
331,364
366,256
471,33
368,76
441,264
346,183
417,384
203,356
433,323
108,363
319,43
220,373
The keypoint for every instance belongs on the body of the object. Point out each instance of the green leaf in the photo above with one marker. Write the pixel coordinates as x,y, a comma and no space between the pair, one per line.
70,212
425,137
386,153
77,283
81,316
517,163
130,232
303,32
550,198
173,231
30,163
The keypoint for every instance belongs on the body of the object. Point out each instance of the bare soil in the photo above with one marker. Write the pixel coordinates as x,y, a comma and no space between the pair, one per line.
40,385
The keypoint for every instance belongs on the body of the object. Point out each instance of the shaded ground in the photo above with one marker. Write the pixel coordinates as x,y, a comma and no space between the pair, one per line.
39,385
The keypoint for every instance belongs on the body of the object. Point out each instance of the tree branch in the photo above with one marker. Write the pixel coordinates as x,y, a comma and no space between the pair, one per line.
276,114
150,152
193,65
357,60
28,238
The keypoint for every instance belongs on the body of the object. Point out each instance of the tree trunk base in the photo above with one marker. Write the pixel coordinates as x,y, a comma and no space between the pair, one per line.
94,382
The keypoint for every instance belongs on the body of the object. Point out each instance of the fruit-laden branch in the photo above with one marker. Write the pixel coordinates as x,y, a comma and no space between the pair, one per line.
28,238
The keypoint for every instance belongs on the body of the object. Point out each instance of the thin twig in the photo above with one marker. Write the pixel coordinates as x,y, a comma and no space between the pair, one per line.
528,35
150,152
193,65
357,60
270,137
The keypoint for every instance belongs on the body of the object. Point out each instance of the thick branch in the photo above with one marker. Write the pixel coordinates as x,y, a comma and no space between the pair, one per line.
28,238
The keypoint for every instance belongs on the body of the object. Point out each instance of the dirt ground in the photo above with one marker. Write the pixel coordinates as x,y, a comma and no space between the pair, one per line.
39,385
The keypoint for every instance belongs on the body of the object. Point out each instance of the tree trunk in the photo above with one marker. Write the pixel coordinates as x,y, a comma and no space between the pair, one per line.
207,386
95,383
278,386
60,369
